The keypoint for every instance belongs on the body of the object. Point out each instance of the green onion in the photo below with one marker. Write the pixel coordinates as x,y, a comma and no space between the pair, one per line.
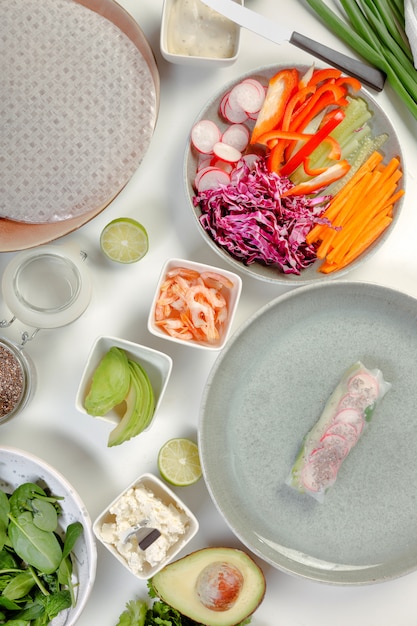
375,30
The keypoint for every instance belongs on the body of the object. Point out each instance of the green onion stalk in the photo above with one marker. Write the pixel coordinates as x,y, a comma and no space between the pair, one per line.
375,29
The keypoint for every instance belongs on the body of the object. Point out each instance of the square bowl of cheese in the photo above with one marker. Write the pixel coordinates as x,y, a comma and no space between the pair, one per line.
147,502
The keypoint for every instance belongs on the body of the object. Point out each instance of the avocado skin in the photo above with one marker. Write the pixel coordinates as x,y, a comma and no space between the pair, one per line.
175,585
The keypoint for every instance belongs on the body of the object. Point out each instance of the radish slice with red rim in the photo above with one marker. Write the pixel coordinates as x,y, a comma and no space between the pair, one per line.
237,135
223,165
211,178
226,153
247,96
350,416
204,134
346,430
231,111
365,384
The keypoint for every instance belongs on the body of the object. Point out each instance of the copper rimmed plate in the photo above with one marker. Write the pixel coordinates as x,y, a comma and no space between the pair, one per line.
267,389
77,125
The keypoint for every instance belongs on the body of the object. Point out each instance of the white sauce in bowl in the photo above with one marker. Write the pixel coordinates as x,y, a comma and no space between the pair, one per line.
194,29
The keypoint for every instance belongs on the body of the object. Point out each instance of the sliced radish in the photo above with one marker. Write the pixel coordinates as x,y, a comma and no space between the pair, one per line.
204,134
226,153
338,443
365,384
223,165
237,135
231,110
318,474
350,416
247,96
250,159
204,161
211,178
353,401
345,430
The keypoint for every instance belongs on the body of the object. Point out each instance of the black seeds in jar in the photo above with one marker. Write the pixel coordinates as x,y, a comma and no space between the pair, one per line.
11,381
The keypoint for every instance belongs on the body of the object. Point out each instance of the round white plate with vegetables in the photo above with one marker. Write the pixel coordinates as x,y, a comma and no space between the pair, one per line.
269,388
294,174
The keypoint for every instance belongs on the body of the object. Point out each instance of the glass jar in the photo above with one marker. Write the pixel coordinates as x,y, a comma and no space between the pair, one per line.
43,288
48,287
17,379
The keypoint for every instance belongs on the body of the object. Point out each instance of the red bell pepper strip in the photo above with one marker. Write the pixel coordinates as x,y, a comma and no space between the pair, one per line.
352,82
298,99
327,94
324,74
280,89
312,143
332,173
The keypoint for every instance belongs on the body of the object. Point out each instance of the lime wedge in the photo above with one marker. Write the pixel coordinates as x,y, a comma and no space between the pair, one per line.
124,240
179,462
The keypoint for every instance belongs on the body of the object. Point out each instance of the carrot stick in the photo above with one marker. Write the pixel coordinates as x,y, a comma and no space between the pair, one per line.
357,225
343,215
356,250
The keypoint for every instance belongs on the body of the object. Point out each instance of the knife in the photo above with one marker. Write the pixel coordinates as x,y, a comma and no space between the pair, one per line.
279,33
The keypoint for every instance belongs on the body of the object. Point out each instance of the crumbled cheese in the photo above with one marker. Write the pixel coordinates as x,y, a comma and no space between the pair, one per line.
137,504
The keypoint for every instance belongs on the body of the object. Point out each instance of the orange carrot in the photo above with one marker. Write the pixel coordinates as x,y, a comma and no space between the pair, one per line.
361,245
359,213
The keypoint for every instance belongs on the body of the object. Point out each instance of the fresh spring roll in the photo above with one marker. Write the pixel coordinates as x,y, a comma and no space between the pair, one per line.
348,410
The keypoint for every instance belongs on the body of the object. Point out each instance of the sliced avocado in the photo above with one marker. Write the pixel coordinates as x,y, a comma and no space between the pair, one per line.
212,586
110,383
140,407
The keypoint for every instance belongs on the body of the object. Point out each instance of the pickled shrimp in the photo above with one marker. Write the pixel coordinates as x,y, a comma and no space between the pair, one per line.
193,306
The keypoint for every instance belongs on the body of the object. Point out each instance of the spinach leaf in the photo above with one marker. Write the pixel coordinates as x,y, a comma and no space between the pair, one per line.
45,515
35,563
35,546
19,586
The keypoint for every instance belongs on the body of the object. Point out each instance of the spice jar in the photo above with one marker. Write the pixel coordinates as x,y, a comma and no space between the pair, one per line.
17,379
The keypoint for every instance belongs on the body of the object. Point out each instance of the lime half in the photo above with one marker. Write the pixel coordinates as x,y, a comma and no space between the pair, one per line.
179,462
124,240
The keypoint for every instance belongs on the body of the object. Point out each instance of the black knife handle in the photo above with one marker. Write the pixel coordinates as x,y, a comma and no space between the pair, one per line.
370,76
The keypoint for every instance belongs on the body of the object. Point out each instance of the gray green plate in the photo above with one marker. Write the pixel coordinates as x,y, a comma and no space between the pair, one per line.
266,390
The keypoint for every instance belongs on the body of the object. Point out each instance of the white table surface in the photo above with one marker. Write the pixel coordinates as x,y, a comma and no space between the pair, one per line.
76,445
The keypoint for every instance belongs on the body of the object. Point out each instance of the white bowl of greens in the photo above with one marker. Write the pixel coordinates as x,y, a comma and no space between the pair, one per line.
48,528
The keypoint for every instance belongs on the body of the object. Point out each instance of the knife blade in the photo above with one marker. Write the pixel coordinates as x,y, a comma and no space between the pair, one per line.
279,33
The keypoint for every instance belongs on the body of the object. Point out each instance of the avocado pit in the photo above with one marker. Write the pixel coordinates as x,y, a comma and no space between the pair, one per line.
218,586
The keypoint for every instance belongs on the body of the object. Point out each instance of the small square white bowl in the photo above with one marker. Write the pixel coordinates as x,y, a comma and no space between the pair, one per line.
175,22
165,495
232,298
157,365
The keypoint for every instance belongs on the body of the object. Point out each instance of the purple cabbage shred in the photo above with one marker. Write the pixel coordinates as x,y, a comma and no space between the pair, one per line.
251,221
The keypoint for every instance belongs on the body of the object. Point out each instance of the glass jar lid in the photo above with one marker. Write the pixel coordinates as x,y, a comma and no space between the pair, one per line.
47,287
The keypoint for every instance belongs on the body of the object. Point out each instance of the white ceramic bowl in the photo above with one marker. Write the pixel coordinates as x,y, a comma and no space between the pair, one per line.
168,498
157,365
18,467
232,298
181,24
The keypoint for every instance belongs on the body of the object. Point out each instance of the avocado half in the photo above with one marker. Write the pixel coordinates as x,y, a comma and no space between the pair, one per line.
212,586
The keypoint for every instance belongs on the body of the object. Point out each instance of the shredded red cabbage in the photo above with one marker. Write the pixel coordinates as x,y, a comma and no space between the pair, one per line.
252,222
